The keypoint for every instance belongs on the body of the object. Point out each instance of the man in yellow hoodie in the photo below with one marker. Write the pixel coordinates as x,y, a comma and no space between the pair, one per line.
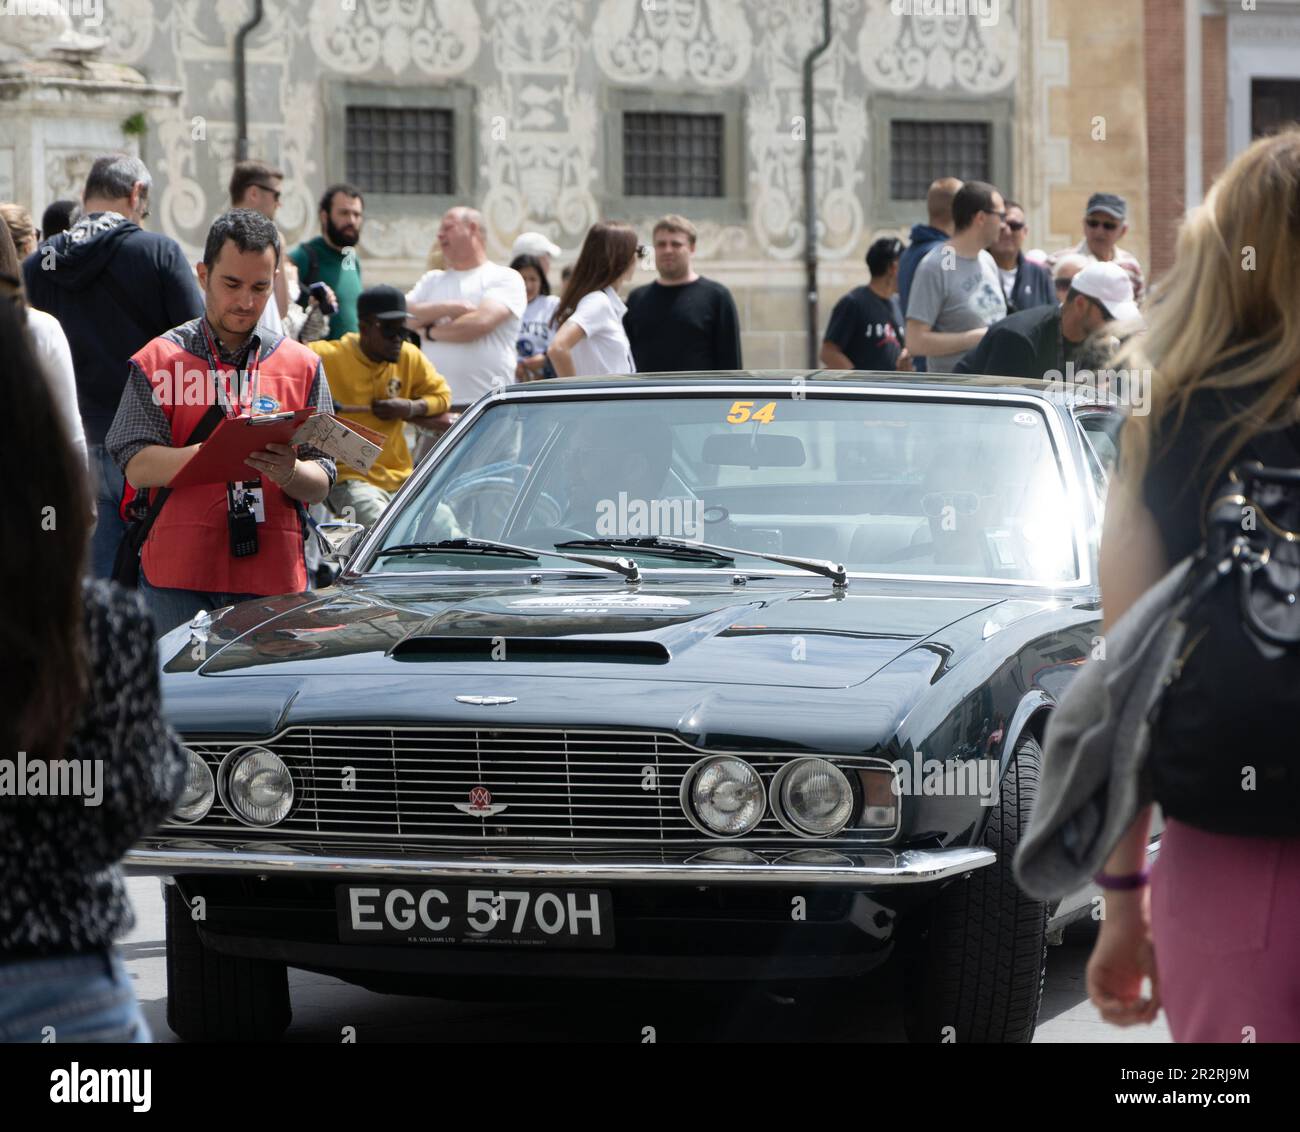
381,380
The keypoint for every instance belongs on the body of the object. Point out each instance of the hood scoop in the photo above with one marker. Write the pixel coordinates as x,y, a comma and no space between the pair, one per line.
429,648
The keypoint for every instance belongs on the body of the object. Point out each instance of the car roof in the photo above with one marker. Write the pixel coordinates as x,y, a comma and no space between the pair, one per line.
931,382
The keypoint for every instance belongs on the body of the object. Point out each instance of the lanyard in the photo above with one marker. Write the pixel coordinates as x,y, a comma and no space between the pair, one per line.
252,375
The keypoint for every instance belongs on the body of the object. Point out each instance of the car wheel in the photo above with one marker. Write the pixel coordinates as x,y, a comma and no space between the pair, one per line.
219,998
975,970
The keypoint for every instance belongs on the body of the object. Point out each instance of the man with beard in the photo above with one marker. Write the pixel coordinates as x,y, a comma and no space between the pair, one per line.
331,257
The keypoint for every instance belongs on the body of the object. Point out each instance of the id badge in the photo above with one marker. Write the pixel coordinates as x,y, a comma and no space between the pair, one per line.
254,488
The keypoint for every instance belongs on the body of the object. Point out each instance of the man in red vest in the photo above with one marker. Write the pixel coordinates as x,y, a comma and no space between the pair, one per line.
216,544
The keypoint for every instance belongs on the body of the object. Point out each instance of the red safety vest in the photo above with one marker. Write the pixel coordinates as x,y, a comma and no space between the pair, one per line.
189,545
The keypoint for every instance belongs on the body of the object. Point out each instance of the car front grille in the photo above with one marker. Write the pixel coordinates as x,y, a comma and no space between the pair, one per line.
564,786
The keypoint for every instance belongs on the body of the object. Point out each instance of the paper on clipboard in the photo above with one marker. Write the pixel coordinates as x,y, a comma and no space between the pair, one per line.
220,459
351,444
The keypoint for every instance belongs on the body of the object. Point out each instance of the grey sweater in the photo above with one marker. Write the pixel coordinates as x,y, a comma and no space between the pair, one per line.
1093,782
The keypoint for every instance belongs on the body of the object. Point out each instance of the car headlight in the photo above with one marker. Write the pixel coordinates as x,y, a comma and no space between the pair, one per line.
256,786
199,790
814,796
724,795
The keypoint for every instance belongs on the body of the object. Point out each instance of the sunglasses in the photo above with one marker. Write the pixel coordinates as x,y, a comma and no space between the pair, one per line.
267,189
1015,225
1109,225
1104,312
389,328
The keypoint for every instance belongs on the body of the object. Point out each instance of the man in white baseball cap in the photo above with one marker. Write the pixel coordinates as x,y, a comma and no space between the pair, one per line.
1042,341
535,244
1110,287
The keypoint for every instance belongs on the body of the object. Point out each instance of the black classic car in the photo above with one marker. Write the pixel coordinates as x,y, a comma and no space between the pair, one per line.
712,678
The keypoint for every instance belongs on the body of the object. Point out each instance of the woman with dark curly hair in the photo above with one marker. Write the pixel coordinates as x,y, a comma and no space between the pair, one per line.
87,765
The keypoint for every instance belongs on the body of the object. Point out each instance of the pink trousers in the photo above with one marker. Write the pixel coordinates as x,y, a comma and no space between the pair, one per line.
1225,921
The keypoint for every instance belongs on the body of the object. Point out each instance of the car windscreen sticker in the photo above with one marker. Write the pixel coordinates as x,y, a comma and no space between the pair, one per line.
1028,420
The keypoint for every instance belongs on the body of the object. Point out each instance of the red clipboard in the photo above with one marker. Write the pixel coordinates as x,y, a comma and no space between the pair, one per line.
221,457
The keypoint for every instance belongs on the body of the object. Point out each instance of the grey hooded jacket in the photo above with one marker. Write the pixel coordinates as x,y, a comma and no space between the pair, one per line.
1093,778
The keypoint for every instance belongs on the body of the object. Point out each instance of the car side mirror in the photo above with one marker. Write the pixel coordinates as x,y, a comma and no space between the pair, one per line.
338,539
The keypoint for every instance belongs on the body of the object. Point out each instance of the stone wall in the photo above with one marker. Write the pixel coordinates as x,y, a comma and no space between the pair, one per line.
542,80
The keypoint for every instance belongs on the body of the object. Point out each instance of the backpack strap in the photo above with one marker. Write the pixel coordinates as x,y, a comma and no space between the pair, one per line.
313,266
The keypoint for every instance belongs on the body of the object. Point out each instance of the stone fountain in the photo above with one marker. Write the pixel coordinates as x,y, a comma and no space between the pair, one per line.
61,105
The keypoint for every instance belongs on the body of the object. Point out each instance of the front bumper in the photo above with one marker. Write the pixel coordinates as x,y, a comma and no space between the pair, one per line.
860,869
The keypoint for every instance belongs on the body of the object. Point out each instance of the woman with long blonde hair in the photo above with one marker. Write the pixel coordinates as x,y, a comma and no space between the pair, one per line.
1217,930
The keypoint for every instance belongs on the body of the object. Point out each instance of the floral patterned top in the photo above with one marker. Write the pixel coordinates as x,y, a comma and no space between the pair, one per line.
61,890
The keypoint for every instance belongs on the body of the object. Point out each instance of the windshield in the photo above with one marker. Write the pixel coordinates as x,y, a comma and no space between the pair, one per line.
924,487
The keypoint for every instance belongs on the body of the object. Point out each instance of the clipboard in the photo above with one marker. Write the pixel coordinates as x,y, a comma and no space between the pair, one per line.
221,457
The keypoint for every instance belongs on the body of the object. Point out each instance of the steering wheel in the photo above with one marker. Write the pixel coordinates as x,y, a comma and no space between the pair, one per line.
495,495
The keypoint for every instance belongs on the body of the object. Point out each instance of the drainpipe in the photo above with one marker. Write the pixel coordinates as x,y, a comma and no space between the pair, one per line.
810,186
241,83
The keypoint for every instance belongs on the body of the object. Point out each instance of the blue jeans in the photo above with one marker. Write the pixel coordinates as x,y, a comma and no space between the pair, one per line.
70,998
176,607
109,528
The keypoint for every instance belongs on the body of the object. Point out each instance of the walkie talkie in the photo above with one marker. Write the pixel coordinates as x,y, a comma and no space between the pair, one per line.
242,521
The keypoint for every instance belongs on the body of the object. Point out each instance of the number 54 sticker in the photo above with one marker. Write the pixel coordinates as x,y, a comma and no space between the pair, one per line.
742,411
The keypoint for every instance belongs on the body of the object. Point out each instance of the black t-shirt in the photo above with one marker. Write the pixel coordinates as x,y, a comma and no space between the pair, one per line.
1181,465
863,326
693,326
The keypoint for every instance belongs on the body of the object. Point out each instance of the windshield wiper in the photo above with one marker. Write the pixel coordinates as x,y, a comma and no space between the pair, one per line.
827,569
652,544
624,566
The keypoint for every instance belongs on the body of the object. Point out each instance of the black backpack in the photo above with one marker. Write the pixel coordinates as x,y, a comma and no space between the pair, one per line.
1224,755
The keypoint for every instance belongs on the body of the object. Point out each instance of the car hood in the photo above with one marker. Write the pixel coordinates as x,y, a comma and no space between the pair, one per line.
806,637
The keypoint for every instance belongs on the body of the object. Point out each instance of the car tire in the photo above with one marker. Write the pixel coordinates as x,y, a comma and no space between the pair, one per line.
975,970
219,998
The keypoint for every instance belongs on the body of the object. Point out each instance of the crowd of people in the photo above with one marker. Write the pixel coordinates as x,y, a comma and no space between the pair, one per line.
958,298
105,293
98,314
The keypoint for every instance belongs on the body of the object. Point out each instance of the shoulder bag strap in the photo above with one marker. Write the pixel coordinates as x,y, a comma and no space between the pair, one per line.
201,432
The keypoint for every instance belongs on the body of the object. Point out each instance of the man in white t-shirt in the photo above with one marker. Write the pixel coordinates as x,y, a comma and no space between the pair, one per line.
468,316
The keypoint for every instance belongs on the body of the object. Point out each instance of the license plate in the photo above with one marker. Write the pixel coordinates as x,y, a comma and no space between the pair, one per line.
446,914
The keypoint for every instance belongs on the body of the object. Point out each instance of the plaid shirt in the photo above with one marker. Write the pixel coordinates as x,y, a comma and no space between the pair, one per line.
140,420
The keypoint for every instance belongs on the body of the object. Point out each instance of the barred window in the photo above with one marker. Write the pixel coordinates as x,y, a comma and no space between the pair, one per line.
392,149
922,151
1274,105
672,155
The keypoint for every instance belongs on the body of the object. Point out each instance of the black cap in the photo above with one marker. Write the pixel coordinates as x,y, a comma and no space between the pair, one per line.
1109,203
382,302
